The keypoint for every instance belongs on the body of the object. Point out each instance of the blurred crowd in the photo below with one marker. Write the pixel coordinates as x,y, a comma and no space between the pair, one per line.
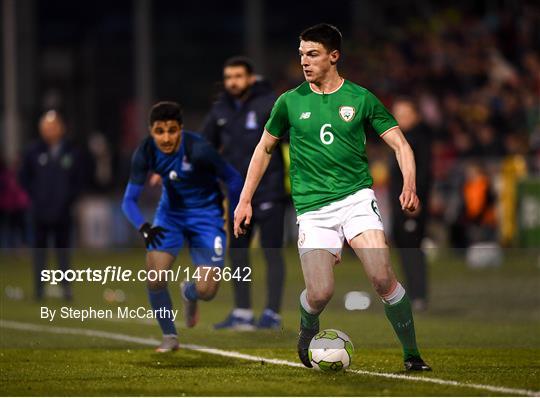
476,80
476,83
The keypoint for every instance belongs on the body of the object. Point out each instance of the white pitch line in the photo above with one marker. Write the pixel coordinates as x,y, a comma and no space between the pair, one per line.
234,354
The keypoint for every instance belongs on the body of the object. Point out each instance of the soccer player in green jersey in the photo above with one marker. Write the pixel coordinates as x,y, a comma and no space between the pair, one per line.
331,185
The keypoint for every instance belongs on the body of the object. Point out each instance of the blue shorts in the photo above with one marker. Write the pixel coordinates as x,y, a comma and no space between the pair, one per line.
204,234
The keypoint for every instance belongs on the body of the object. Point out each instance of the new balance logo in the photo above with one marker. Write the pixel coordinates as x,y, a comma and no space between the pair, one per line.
305,115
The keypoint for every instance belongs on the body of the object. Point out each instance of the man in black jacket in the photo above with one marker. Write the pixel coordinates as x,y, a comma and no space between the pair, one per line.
234,126
51,176
409,228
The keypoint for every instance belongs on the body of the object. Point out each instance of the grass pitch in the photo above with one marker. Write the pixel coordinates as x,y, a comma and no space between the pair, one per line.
482,328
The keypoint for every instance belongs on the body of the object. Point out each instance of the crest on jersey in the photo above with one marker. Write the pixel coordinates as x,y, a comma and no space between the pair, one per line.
43,158
251,121
67,161
347,113
173,175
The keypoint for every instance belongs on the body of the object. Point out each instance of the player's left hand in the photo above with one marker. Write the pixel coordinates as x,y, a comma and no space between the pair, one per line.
409,200
152,235
242,218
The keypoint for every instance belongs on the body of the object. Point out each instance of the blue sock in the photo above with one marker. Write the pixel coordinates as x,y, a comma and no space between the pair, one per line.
162,299
190,291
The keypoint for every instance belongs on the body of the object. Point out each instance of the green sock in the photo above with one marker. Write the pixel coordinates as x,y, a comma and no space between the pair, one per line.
400,316
307,320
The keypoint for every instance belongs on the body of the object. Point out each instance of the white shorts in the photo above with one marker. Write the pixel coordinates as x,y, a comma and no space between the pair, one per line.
325,228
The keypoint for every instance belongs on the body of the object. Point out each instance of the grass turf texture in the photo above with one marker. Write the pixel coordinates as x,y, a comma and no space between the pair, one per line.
482,327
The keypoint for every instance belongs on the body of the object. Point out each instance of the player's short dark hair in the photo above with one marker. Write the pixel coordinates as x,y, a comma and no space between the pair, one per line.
165,110
240,60
328,35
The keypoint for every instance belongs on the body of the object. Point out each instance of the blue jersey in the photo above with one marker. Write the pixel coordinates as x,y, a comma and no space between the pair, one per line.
190,179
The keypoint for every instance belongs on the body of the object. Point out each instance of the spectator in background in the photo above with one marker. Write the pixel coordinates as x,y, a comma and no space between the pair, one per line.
409,228
234,126
14,203
51,176
479,205
100,167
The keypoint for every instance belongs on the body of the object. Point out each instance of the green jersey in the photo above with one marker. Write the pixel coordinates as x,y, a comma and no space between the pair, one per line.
327,141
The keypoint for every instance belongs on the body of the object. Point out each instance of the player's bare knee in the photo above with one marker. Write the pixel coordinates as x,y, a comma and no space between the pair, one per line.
319,299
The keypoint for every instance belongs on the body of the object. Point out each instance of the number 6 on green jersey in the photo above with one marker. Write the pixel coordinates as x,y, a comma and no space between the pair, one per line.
326,136
323,174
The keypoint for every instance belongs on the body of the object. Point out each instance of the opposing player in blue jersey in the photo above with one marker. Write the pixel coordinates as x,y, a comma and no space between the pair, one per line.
190,209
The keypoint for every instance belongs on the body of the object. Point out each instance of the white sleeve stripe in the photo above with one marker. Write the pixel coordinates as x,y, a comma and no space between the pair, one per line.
272,135
390,129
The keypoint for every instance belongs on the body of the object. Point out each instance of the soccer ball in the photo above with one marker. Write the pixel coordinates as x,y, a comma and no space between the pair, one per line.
330,351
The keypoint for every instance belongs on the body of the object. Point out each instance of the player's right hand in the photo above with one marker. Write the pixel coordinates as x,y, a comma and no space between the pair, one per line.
242,219
152,235
409,200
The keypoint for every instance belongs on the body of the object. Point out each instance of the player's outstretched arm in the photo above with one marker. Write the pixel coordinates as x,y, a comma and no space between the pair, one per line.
405,158
139,170
257,167
151,235
129,205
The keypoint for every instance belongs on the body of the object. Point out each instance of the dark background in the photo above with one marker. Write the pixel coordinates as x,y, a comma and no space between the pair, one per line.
473,67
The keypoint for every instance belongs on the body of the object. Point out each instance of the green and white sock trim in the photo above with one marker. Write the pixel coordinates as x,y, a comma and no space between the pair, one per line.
305,305
309,318
395,295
